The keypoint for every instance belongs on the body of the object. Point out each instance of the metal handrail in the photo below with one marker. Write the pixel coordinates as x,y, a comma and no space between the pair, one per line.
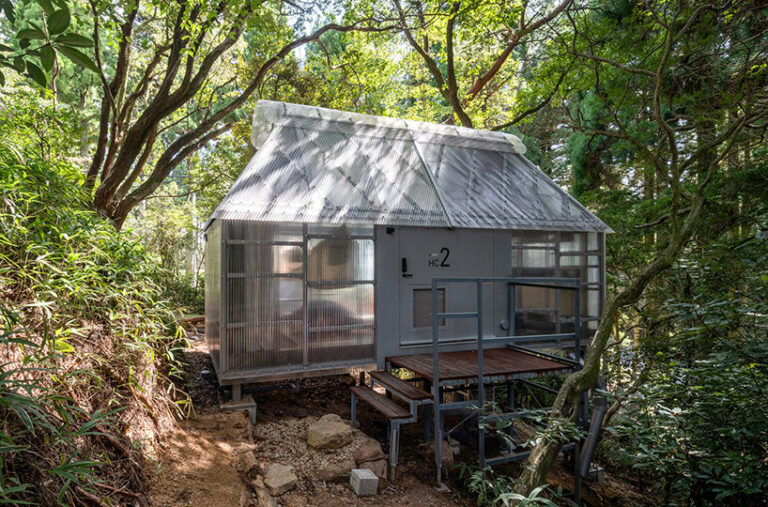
573,284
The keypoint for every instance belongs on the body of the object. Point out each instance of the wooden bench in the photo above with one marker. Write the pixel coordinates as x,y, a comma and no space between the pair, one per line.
396,415
403,389
384,406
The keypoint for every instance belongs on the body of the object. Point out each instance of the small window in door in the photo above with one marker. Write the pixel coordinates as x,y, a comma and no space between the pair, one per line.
422,307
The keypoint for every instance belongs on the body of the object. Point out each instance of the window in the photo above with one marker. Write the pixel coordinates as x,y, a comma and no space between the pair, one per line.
422,307
557,254
340,293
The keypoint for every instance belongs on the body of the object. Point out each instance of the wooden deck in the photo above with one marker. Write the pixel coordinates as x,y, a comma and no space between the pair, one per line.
462,365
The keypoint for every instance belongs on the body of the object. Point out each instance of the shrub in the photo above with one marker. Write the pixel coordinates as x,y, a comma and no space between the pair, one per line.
87,348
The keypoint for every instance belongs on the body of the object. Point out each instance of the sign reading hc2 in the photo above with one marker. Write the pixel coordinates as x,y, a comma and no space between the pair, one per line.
439,260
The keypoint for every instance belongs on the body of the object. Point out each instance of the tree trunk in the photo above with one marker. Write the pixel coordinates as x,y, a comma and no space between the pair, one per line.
543,455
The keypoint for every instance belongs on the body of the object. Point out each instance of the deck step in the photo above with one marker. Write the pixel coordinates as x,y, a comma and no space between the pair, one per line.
381,404
400,387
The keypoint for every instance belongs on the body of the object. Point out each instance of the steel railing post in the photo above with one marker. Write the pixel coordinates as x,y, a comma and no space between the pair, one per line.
436,415
582,408
577,324
480,372
513,309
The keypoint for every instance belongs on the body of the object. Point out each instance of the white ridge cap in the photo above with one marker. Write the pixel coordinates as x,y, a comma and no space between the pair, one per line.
267,113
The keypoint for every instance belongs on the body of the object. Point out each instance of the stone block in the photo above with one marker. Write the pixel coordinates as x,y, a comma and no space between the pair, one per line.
596,473
247,403
364,482
455,446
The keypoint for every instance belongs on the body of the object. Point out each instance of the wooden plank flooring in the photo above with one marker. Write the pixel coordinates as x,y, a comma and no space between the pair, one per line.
402,387
462,365
387,407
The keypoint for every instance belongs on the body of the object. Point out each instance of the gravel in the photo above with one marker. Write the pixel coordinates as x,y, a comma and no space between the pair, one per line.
285,441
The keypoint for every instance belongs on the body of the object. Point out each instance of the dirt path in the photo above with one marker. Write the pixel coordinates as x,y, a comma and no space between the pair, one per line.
197,465
199,461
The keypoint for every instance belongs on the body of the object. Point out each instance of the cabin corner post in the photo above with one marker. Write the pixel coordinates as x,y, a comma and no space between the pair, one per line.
223,297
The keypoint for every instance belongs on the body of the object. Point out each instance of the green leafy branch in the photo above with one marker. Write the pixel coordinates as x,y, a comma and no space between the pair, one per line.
38,44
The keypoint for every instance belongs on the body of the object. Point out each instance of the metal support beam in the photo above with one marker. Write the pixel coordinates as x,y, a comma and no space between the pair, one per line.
437,415
510,407
426,414
538,386
394,446
480,372
542,354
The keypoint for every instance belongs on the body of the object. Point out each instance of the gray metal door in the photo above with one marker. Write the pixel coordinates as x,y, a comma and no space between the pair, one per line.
428,253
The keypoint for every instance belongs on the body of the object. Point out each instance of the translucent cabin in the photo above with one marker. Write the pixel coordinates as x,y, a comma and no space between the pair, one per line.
320,257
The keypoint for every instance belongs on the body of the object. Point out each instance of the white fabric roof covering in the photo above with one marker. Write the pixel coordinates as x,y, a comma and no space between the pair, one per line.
319,165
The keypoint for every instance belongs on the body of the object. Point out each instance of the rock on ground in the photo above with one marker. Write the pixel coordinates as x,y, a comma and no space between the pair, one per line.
369,451
378,467
428,451
295,500
329,432
262,495
279,478
336,471
246,461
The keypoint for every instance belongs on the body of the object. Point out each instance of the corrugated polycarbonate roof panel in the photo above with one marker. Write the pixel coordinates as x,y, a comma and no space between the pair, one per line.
302,174
490,189
317,165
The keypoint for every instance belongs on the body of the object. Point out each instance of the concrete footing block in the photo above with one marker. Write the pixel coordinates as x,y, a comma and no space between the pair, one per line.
247,403
364,482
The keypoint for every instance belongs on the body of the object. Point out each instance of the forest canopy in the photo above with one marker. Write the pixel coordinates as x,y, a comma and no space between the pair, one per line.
652,113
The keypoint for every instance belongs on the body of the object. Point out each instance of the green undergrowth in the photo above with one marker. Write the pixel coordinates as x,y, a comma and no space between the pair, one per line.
88,343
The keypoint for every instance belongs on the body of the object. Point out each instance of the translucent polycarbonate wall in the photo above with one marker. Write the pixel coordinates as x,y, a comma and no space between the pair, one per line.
340,293
213,290
560,255
264,295
296,297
